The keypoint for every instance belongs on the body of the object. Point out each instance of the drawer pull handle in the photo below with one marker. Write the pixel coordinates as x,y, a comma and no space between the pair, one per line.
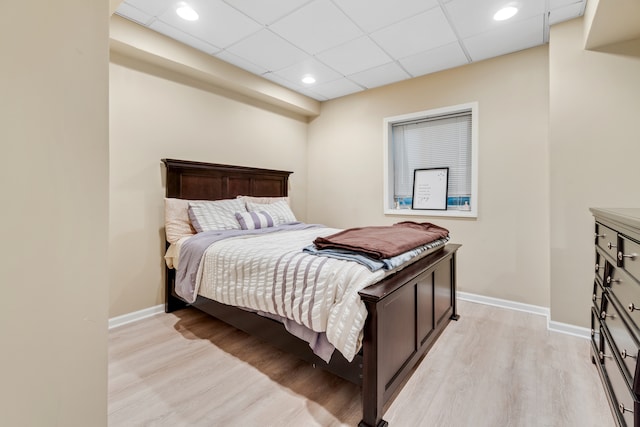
624,354
623,409
597,268
600,235
621,255
593,332
610,280
632,307
595,298
611,245
602,355
604,315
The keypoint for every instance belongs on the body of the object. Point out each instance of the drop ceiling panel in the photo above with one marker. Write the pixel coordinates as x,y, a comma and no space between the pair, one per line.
239,62
337,88
506,39
282,82
266,12
354,56
373,15
314,95
183,37
422,32
473,17
380,76
440,58
267,49
317,26
311,66
151,7
134,14
554,4
300,89
219,24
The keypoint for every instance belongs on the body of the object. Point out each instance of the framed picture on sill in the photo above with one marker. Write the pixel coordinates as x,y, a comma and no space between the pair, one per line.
430,189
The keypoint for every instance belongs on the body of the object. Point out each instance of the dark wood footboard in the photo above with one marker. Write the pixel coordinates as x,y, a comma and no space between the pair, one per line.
407,313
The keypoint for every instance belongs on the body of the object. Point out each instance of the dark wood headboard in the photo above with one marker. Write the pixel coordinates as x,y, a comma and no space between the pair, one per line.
209,181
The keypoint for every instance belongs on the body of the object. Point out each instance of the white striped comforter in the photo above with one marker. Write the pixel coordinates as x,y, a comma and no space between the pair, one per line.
270,273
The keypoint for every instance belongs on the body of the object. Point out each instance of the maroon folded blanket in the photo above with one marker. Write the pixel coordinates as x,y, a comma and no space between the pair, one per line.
383,241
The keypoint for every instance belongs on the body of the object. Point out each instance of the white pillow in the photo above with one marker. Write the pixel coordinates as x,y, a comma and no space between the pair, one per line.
215,214
264,200
279,211
254,220
176,219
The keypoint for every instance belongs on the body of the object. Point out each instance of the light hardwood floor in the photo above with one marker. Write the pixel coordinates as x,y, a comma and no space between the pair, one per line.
493,367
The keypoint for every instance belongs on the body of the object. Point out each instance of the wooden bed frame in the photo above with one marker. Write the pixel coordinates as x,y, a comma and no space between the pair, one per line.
407,311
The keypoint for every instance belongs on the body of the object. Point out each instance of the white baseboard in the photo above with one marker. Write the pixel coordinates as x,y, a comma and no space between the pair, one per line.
563,328
503,303
114,322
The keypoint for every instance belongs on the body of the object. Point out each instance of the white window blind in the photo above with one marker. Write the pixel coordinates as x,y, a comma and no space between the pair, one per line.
434,142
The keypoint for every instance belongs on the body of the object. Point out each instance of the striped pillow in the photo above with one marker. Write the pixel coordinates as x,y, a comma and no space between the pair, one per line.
279,211
254,220
215,214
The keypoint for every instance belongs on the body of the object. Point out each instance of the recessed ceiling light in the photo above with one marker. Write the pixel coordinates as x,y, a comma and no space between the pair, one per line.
185,12
308,79
505,13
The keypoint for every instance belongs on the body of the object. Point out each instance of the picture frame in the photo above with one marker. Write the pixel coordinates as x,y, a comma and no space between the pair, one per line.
430,189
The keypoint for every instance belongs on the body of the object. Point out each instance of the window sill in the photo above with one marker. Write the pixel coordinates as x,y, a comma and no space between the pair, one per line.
447,213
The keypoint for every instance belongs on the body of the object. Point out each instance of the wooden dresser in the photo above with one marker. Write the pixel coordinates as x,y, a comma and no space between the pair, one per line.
615,312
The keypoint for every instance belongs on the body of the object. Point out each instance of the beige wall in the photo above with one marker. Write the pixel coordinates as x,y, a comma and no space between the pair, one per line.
505,251
158,114
594,148
546,115
54,175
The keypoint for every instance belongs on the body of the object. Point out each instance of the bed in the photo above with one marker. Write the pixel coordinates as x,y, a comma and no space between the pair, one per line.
405,311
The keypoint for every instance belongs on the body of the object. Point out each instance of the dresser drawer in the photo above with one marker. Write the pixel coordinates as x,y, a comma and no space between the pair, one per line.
607,240
596,335
624,344
622,400
600,264
627,291
629,256
596,297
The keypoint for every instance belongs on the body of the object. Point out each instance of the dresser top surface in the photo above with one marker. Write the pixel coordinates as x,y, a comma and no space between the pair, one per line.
627,216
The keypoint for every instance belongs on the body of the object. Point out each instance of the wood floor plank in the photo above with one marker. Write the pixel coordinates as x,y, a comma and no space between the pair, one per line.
494,367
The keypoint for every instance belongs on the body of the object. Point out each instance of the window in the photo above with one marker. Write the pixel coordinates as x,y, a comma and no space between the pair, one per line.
446,137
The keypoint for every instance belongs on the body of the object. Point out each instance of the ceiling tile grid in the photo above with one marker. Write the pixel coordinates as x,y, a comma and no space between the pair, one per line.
351,45
310,66
441,58
419,33
268,50
475,17
317,26
355,56
379,76
267,12
183,37
510,38
374,15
